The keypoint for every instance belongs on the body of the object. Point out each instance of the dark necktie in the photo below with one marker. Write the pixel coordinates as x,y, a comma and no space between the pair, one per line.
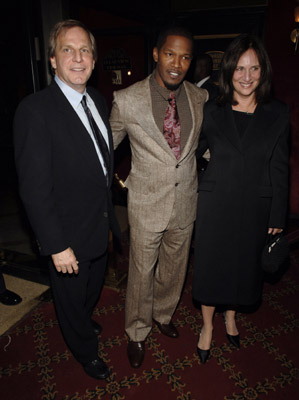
102,145
172,127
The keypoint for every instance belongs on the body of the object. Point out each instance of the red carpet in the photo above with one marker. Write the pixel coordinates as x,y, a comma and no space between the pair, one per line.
37,364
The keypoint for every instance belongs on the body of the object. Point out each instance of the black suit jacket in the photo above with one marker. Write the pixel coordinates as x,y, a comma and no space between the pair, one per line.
210,86
61,180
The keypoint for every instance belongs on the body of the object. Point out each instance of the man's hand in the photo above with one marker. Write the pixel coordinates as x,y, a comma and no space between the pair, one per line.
66,262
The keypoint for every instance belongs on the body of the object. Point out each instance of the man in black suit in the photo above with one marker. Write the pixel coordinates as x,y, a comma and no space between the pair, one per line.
64,179
202,74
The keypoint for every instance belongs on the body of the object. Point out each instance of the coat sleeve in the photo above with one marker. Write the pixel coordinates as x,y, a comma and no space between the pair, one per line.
117,121
33,158
202,149
279,175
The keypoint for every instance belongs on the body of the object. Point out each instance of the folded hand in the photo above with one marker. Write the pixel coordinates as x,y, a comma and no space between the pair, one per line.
66,261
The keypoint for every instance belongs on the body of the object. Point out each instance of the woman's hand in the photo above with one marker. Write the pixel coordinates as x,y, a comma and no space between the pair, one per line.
274,231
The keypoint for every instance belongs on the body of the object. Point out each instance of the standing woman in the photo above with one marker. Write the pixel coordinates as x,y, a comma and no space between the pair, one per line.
243,194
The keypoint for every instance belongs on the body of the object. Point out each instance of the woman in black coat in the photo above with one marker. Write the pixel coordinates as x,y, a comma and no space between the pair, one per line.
243,193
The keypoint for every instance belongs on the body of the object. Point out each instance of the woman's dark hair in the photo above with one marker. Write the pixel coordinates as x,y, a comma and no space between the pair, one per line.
237,47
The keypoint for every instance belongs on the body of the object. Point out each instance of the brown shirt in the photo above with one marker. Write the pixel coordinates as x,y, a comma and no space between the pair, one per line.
160,103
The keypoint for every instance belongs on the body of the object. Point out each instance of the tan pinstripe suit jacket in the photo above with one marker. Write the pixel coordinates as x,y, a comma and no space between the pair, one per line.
157,180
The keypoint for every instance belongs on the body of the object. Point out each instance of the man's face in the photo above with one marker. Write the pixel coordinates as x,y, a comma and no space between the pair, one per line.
173,61
73,61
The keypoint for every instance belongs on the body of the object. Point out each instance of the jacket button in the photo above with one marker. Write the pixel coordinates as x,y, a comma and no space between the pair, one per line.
105,214
176,184
177,166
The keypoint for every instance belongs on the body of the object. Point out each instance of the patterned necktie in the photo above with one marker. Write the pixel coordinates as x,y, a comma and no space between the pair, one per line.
172,127
101,142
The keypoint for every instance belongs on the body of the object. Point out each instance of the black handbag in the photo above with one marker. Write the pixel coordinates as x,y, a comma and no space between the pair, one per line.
275,252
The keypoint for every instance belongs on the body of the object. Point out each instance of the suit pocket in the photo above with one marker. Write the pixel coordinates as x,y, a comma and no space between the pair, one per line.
138,184
266,191
206,186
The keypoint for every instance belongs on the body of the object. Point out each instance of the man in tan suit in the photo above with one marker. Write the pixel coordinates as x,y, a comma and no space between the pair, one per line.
162,185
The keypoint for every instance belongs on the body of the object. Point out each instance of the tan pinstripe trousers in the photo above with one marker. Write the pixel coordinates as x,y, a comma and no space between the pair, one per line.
157,270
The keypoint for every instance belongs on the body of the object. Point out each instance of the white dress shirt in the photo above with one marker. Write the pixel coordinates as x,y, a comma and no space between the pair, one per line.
200,83
74,97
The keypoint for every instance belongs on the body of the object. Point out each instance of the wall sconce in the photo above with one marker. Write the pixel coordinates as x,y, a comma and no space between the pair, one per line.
295,32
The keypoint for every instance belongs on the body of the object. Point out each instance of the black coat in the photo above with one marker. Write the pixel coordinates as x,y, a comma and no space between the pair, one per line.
243,191
210,86
61,180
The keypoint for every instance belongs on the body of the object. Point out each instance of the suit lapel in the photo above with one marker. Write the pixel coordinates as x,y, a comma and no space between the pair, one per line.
260,124
77,133
146,119
143,112
224,119
194,104
104,116
262,120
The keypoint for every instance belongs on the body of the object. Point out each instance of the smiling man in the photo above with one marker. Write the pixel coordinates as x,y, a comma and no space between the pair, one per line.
64,160
162,116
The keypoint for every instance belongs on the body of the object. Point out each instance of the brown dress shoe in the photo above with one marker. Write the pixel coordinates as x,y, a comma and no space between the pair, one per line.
135,351
168,329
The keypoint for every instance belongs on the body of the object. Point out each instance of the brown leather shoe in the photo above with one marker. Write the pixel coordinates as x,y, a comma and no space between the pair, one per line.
168,329
135,351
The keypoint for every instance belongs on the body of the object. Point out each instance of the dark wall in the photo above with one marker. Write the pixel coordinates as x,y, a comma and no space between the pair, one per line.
279,24
122,45
18,76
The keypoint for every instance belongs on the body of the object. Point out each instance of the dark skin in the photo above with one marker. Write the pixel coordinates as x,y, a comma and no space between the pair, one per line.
173,61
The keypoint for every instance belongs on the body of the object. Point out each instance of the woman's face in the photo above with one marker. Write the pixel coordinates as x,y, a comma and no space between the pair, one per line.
246,77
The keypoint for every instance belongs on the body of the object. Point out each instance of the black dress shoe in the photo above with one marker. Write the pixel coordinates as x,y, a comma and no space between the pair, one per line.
203,355
9,298
97,369
234,340
168,329
96,327
135,352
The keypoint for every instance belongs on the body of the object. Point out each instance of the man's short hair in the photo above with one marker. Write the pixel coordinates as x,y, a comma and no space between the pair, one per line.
173,30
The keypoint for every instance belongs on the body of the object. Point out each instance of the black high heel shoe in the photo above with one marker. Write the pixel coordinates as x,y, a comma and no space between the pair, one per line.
234,340
203,355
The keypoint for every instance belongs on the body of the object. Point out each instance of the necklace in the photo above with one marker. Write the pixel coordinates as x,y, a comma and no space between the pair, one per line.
249,111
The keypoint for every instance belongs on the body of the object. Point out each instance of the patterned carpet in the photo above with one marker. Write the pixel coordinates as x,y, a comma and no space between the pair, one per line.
30,293
37,365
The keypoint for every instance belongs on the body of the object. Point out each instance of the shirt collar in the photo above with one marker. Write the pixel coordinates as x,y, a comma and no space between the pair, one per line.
73,96
200,83
163,91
